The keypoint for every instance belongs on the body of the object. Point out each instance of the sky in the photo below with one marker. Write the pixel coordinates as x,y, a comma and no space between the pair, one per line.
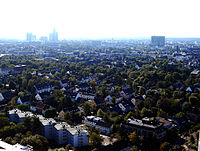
100,18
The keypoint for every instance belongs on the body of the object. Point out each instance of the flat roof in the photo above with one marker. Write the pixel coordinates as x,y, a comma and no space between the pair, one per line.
140,123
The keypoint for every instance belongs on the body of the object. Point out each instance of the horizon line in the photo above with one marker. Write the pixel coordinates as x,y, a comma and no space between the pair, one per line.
105,38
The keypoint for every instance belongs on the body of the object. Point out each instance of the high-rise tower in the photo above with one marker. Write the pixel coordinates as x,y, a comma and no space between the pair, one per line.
53,36
30,37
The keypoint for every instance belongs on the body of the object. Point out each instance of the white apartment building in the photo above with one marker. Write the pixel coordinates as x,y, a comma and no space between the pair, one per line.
66,134
61,132
48,124
18,116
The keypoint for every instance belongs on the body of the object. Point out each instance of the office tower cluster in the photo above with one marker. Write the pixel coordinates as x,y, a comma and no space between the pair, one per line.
53,37
30,37
158,40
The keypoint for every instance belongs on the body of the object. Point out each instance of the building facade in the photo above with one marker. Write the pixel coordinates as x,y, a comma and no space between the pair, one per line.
98,123
61,132
147,128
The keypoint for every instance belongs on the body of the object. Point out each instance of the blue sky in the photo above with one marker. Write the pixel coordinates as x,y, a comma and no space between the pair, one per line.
100,18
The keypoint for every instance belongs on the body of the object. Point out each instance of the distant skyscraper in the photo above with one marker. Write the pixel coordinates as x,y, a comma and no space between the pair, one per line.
30,37
53,36
158,40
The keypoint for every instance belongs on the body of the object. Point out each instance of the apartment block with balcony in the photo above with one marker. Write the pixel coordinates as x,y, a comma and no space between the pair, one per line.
147,128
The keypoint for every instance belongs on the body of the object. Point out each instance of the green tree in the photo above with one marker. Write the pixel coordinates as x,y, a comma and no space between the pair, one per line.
161,113
95,140
31,85
4,121
21,94
50,113
179,115
186,106
23,107
106,118
24,83
68,115
3,66
193,100
92,83
134,148
165,146
146,112
38,142
73,80
9,140
192,139
128,116
100,113
32,124
142,90
68,147
88,108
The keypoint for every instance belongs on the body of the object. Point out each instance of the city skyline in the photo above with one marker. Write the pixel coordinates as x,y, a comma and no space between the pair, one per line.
99,19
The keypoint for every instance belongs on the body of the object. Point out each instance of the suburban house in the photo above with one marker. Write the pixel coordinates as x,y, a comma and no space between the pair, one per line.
64,83
45,87
84,96
38,97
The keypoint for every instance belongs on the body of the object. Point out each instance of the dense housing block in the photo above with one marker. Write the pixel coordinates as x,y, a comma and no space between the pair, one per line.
61,132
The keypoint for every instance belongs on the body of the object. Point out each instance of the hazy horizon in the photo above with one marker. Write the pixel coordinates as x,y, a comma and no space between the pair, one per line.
94,19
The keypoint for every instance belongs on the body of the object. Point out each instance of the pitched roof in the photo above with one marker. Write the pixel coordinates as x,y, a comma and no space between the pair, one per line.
1,97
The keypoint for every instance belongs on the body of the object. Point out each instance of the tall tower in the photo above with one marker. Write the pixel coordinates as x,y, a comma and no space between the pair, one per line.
53,36
30,37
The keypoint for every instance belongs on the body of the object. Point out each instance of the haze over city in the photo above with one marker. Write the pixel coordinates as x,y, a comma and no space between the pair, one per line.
99,19
99,75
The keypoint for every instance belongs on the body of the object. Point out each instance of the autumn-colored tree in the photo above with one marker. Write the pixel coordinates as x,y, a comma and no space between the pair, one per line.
133,138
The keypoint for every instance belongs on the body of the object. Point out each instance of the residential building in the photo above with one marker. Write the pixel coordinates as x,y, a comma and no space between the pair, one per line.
64,83
45,87
66,134
18,116
98,123
147,128
61,132
48,124
84,96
